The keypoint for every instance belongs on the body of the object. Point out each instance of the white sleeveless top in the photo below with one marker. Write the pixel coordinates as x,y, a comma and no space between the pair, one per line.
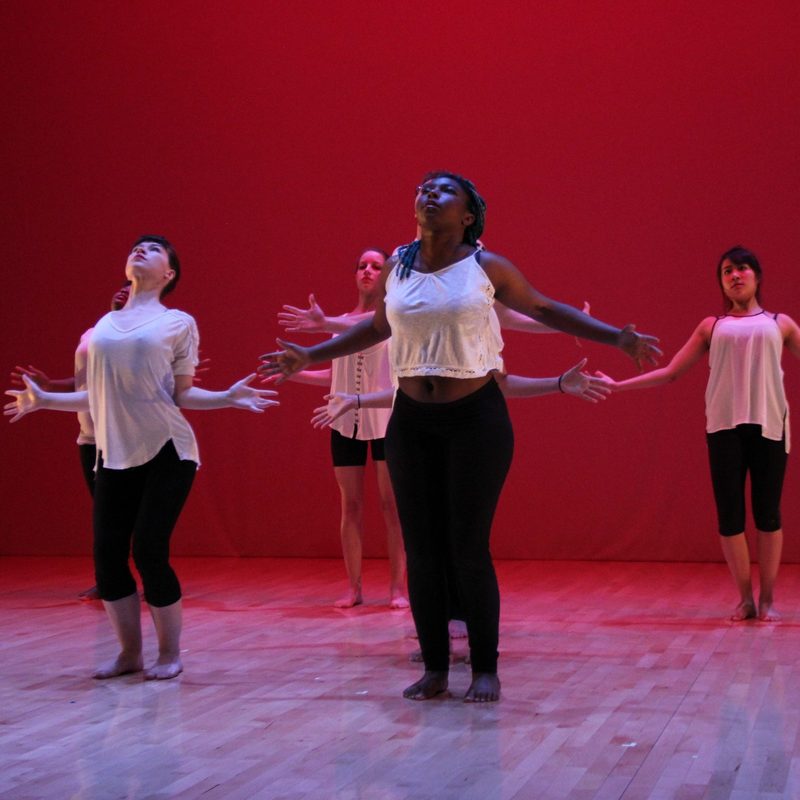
745,384
363,373
131,381
443,323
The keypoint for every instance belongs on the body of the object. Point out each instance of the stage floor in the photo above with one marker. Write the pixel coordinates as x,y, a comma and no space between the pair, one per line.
619,681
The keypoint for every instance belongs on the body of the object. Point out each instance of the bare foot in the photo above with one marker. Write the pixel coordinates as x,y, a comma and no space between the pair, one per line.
87,595
166,667
428,686
745,610
351,599
123,664
398,601
766,612
457,628
416,657
485,688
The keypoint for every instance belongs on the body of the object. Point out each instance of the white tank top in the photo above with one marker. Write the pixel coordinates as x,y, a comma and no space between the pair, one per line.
443,323
745,384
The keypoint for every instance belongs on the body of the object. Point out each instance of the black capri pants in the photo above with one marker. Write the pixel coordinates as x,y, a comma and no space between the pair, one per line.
448,463
139,505
732,454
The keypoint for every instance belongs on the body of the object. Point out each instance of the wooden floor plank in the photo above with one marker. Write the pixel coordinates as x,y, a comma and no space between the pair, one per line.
619,681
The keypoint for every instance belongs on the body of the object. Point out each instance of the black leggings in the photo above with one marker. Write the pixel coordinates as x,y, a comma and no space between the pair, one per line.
732,454
448,463
87,453
140,504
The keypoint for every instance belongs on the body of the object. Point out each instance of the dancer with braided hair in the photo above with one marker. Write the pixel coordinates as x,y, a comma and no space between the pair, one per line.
449,441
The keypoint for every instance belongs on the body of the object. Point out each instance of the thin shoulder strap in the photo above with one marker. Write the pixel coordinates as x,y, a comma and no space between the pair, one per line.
713,327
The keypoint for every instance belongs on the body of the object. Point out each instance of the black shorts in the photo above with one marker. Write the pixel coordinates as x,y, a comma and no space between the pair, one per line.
353,452
732,454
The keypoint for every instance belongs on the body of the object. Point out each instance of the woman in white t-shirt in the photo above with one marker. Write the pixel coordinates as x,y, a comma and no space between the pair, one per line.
358,431
747,420
141,361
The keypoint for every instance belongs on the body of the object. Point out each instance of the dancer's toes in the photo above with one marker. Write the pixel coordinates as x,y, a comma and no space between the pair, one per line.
767,613
349,600
745,610
88,595
123,664
165,668
429,685
485,688
398,601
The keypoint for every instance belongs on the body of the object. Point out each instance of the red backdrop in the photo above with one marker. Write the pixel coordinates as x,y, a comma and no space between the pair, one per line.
620,146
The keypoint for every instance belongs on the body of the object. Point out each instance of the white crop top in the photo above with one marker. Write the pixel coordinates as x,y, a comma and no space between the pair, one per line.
745,384
443,323
131,381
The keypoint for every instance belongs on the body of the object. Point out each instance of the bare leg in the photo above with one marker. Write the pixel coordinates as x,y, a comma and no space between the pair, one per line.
126,618
351,488
770,546
394,539
485,688
737,555
428,686
168,621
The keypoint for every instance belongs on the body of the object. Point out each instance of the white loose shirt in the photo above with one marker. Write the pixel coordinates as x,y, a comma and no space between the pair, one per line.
745,385
131,382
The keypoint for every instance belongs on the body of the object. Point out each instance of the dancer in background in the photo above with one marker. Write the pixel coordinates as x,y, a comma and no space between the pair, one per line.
139,375
359,431
449,441
747,420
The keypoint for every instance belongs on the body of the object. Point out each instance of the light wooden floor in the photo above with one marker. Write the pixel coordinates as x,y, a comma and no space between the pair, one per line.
619,681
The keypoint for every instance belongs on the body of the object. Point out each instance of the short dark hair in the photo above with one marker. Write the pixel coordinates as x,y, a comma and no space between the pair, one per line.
172,255
739,255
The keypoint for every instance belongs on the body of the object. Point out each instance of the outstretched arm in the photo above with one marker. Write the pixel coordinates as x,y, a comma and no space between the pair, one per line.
514,321
314,320
239,395
512,289
32,398
42,380
682,361
574,382
292,358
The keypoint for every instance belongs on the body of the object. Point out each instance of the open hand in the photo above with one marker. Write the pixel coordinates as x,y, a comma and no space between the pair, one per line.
304,320
580,384
338,403
639,346
35,374
284,362
242,395
25,400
